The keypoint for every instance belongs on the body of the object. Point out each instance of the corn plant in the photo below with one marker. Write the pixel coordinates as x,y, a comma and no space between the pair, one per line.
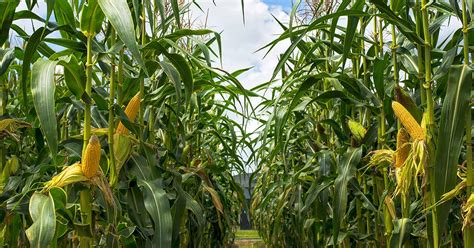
368,138
119,135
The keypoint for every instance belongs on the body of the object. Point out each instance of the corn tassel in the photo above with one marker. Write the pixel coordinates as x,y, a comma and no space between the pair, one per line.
131,111
407,120
403,147
90,162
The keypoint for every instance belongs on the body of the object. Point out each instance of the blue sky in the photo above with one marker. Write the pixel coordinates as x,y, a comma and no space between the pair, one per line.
285,4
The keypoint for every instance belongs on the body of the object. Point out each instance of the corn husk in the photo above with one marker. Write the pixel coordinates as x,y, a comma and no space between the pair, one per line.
357,130
69,175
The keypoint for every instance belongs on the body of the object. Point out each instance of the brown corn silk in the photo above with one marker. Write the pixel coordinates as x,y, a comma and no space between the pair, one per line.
403,147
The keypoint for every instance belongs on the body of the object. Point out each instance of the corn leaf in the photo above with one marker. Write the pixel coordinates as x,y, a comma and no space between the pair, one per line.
346,171
450,136
157,206
42,89
120,17
42,212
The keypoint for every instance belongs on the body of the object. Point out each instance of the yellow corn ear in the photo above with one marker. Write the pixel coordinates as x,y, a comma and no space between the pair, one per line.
407,120
403,147
90,162
131,111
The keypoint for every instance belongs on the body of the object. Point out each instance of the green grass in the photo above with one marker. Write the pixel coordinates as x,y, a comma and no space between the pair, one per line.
247,234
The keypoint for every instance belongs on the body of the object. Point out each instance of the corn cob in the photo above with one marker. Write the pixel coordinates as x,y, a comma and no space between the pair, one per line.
407,120
90,162
403,147
131,111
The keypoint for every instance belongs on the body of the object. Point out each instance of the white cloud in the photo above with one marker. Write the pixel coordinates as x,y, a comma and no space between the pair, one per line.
239,41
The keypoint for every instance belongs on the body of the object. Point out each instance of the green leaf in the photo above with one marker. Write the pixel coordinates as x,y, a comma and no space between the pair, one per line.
161,8
379,69
401,232
174,76
64,14
74,75
157,206
346,171
405,26
185,72
34,43
351,30
175,7
91,18
42,89
120,17
450,136
59,197
42,212
7,13
6,57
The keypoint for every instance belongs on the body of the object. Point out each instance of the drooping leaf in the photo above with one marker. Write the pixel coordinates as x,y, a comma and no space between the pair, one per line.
91,18
157,206
74,75
42,89
401,232
7,12
351,31
6,57
42,212
405,26
119,15
346,171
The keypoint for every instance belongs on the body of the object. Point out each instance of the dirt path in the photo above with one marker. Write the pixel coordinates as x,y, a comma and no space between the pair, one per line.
249,243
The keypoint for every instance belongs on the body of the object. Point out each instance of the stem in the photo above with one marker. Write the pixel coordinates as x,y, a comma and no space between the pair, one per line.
427,85
419,48
113,172
376,34
86,216
3,108
87,107
85,195
142,80
430,117
379,134
387,217
381,37
469,230
120,79
394,51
